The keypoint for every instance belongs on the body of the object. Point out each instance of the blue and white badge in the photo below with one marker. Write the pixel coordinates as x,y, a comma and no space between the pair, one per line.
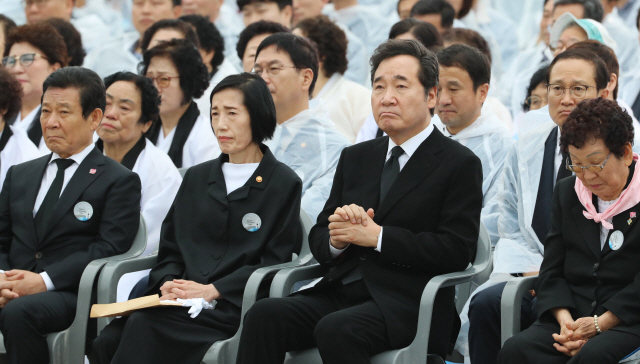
615,240
83,211
251,222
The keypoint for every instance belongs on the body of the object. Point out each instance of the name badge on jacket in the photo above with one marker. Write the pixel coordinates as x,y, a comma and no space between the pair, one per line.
83,211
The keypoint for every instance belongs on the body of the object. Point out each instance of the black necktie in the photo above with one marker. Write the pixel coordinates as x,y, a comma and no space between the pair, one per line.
390,171
50,199
541,221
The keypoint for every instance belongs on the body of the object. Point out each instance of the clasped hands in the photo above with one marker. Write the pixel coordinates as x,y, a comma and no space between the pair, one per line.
574,334
17,283
180,288
351,224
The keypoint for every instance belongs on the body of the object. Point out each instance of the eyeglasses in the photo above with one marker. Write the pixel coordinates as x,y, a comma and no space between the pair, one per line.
535,102
163,81
577,91
26,60
271,71
30,3
595,168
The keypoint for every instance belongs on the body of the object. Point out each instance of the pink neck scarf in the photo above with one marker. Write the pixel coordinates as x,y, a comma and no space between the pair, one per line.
628,198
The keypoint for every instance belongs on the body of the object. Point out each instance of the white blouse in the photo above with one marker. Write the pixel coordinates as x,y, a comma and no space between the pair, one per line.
236,175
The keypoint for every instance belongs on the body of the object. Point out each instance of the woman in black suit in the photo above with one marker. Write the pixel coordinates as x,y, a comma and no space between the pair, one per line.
588,290
231,216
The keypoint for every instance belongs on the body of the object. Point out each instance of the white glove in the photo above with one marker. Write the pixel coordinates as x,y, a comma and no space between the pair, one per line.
197,305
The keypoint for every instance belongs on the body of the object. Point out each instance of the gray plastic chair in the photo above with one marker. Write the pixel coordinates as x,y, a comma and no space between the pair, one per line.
510,311
183,171
417,351
68,346
221,352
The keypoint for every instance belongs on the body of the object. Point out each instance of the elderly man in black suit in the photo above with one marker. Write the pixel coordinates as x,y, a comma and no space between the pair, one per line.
57,214
402,210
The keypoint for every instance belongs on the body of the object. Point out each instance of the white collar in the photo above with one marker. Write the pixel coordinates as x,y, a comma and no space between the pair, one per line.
411,145
330,83
78,157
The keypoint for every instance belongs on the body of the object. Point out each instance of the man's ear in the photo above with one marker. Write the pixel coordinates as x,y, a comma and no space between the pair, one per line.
483,92
432,97
287,16
146,126
95,118
307,78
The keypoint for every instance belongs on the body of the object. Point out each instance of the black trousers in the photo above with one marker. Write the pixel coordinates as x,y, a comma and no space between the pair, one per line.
535,345
484,323
164,335
25,322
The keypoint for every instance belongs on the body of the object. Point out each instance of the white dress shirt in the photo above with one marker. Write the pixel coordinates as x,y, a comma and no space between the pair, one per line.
557,161
409,147
47,180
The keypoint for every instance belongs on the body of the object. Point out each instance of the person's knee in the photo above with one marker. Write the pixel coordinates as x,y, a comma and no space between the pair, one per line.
334,332
265,311
16,312
106,344
511,350
485,304
591,354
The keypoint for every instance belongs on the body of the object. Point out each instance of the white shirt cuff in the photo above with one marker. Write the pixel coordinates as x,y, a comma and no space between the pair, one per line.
379,241
335,251
47,281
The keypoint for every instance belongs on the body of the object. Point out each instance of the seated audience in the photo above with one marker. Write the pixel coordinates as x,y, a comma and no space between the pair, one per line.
251,37
277,11
125,52
72,40
588,313
537,91
212,50
381,254
58,213
532,168
178,73
305,139
439,13
33,52
463,87
423,32
132,109
347,102
15,146
166,30
245,182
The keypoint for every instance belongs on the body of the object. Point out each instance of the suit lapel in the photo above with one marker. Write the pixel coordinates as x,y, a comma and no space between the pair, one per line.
371,172
79,182
589,229
217,187
622,222
30,195
421,164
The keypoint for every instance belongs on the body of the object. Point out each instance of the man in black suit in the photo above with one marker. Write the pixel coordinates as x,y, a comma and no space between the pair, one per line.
402,210
57,214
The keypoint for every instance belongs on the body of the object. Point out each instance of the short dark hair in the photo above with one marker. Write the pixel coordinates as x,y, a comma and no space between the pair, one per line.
194,78
465,8
210,38
536,79
42,36
150,100
470,38
440,7
257,28
88,83
592,8
257,99
598,118
281,3
72,39
469,59
424,32
11,95
331,42
302,51
428,75
601,73
606,54
183,27
6,24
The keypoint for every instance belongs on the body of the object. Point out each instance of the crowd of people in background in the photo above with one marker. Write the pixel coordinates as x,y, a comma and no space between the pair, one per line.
199,113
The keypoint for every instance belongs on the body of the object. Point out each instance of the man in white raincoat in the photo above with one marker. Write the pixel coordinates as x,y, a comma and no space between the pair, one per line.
463,88
532,167
304,140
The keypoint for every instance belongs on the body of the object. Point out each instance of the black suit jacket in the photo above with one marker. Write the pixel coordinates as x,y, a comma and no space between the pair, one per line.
203,239
68,244
578,275
430,219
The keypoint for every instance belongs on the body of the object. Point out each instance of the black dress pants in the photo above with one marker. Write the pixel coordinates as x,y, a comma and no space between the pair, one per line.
25,322
344,323
535,345
484,323
164,335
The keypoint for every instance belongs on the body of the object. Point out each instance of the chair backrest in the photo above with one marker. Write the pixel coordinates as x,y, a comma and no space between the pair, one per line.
182,171
140,241
307,224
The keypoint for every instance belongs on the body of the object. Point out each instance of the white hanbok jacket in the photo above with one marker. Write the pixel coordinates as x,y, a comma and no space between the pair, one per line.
225,69
309,144
18,149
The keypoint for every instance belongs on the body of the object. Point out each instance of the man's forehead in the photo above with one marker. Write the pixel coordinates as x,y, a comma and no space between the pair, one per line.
272,54
574,72
402,65
57,95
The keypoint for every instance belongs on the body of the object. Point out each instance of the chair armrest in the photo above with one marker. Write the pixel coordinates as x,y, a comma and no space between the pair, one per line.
511,303
286,278
415,352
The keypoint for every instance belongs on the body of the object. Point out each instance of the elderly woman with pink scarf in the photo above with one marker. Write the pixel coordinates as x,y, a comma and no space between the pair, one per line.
588,290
